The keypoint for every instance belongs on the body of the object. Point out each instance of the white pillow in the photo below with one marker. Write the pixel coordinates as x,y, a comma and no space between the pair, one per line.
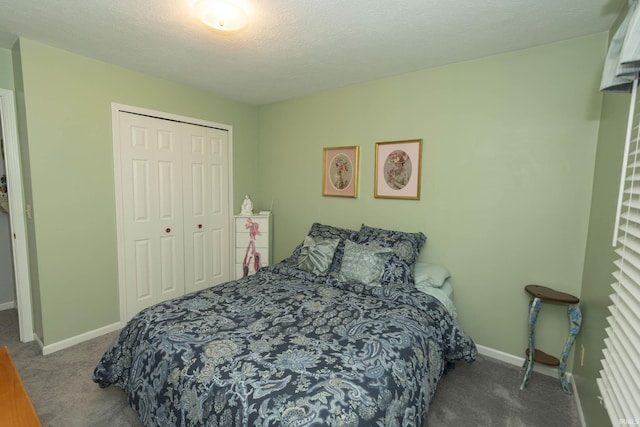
426,274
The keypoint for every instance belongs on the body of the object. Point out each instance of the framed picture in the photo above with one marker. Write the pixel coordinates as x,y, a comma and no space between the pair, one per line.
397,170
340,171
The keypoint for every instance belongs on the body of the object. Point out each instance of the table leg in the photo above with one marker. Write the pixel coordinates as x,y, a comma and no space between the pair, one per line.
575,317
534,309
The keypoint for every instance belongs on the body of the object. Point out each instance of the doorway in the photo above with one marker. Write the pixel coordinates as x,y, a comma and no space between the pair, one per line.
7,277
16,212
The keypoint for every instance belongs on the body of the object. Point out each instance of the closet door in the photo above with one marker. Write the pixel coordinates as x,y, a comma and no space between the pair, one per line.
206,210
151,183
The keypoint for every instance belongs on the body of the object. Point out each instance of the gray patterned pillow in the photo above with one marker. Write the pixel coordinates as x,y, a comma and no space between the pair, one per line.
321,231
363,263
406,247
316,255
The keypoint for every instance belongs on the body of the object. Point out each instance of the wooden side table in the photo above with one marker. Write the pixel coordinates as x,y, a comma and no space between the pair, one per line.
543,293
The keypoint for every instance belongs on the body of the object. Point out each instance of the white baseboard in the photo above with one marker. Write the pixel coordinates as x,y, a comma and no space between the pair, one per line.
518,361
543,369
583,421
7,305
69,342
38,341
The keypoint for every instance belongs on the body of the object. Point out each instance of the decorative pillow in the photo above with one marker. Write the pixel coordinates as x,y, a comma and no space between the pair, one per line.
316,255
406,248
426,274
320,231
363,263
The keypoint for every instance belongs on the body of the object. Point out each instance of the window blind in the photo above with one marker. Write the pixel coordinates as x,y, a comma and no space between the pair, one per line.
619,381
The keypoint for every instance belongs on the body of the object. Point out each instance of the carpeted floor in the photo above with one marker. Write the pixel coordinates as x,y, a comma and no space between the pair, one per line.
486,393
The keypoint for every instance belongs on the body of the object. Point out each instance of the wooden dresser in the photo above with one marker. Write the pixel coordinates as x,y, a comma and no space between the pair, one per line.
16,408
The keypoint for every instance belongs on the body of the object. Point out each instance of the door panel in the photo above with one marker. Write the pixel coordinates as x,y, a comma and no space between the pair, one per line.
152,210
142,284
207,214
219,264
140,187
219,208
170,283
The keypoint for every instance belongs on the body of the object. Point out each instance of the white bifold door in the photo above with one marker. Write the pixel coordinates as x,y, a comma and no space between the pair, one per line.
174,179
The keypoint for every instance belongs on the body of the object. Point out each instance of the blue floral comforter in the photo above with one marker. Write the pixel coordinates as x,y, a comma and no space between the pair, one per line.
283,348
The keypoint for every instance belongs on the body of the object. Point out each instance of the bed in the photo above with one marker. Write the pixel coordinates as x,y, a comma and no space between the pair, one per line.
317,339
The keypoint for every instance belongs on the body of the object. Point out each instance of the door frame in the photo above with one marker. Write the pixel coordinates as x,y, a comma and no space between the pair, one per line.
17,215
117,108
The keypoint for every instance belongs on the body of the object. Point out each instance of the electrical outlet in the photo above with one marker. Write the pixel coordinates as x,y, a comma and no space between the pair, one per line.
582,355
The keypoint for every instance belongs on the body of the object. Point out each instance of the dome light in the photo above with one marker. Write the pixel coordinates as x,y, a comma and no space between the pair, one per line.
221,15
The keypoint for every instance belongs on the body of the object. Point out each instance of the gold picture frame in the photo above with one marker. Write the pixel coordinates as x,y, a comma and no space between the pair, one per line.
340,171
398,169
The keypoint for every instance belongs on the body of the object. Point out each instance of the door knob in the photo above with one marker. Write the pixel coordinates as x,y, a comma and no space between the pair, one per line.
168,230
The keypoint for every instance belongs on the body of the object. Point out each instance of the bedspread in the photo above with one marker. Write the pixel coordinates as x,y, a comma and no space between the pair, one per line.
283,347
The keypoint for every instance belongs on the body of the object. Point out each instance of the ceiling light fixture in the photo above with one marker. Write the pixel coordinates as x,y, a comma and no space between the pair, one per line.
221,15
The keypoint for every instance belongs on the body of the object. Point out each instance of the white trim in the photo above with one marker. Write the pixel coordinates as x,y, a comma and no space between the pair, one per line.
519,361
7,305
37,339
115,109
115,123
69,342
583,421
17,215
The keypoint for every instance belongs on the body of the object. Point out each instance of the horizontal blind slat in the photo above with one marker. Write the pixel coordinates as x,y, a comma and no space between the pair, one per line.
626,292
627,275
632,215
630,229
632,202
629,244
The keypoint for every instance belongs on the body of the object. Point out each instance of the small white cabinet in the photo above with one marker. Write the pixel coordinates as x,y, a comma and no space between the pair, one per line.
253,243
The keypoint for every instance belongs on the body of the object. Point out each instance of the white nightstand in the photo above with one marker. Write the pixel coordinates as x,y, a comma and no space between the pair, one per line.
252,243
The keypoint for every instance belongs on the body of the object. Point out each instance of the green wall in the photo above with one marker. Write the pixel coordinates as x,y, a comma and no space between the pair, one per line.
6,69
600,255
65,104
508,163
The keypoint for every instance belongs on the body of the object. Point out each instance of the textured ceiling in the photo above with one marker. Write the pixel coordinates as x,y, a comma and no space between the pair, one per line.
296,47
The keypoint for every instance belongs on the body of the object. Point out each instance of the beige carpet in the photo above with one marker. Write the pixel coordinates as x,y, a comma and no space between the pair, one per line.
485,393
